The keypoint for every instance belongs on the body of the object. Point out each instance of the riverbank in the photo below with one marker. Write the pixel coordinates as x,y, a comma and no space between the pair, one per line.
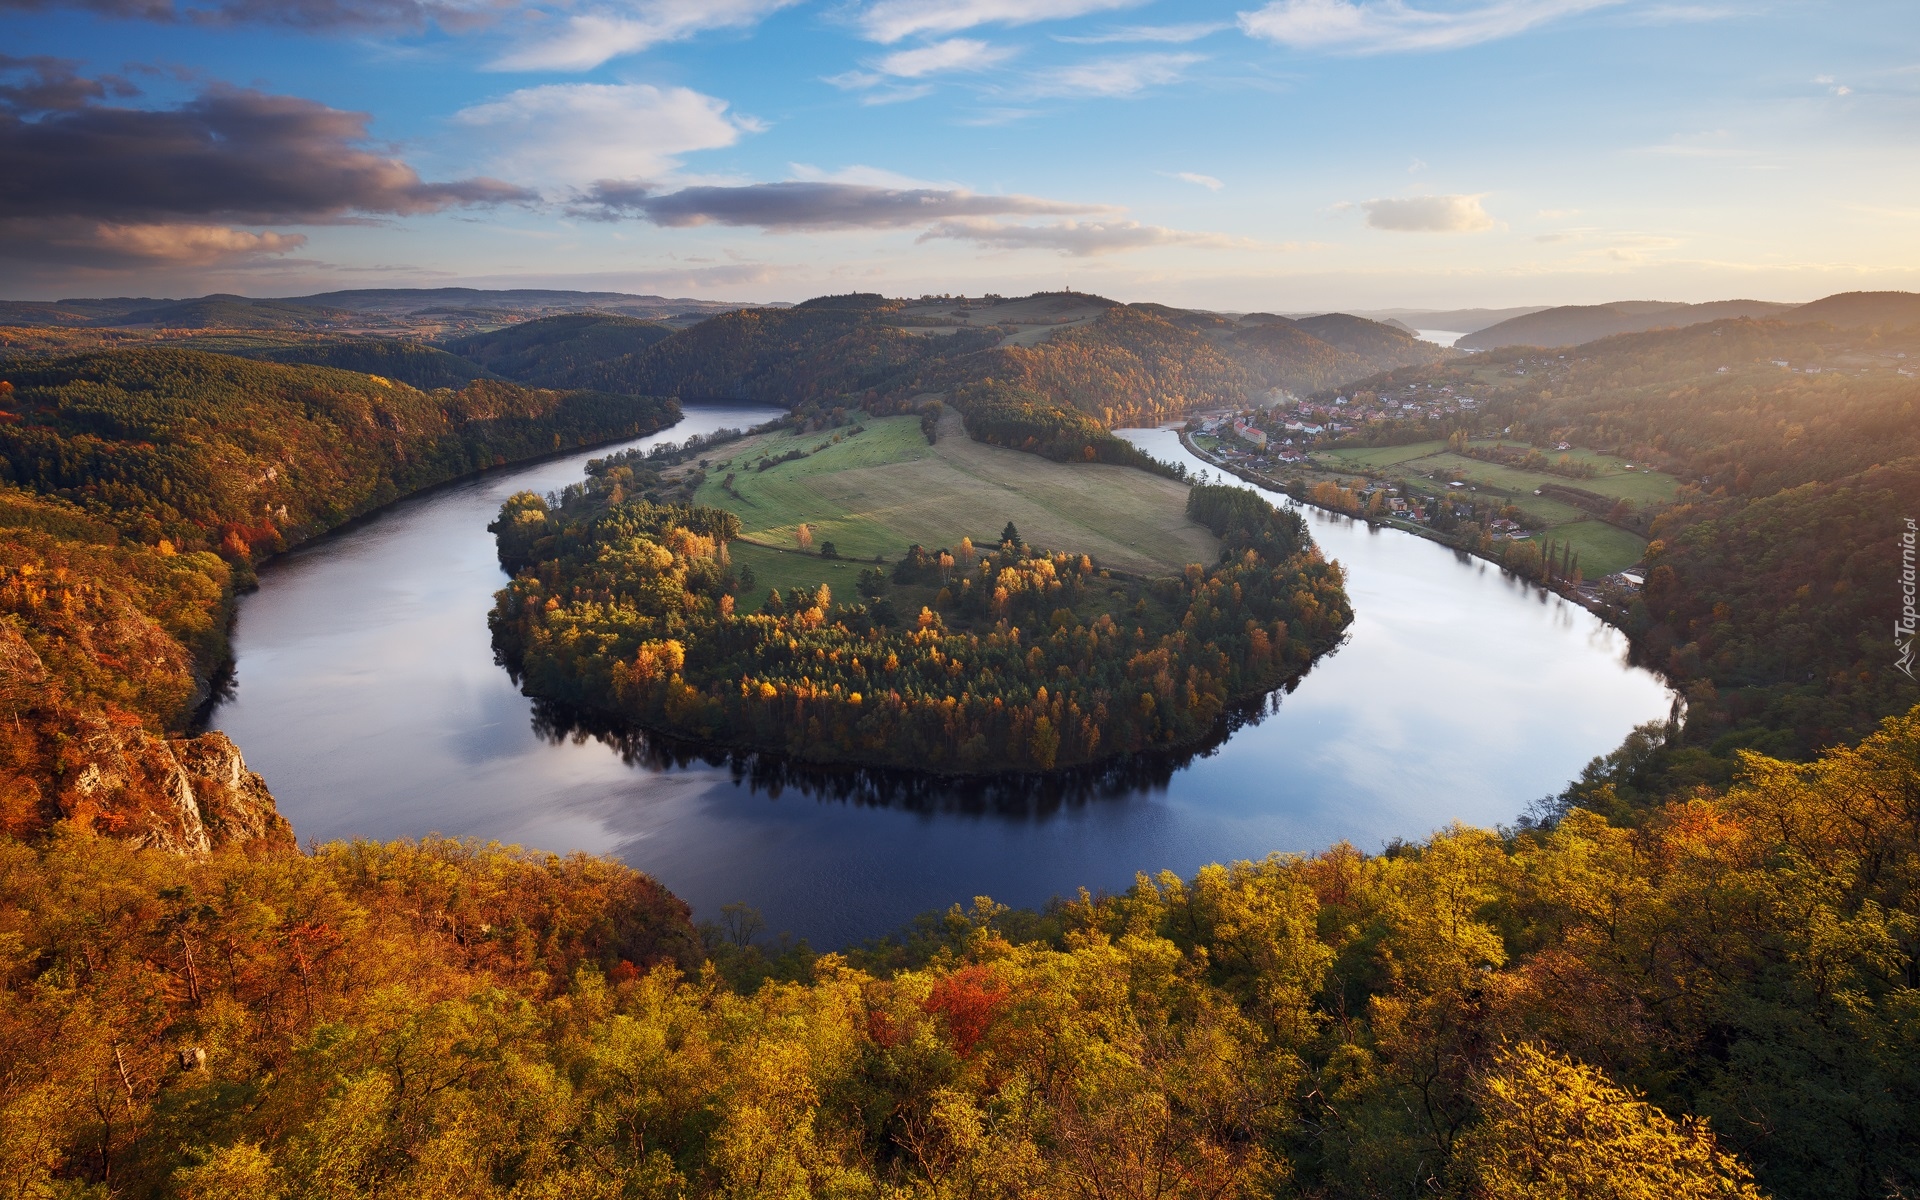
122,579
369,700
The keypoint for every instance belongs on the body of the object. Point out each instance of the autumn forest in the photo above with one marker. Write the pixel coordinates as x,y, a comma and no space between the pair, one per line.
1694,972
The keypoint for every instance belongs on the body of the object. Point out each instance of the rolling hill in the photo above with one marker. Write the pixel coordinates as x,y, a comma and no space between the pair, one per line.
1314,353
1574,325
1855,310
411,363
562,351
1455,320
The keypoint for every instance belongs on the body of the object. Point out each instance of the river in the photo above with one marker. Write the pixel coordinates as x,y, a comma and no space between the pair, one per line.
366,693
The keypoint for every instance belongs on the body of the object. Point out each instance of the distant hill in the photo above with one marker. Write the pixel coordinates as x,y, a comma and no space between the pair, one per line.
829,350
1854,310
1318,352
428,310
1372,340
1279,354
1186,318
69,313
562,351
1574,325
1453,320
232,312
424,367
511,303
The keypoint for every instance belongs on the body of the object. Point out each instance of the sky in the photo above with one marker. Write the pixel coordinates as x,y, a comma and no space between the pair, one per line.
1286,155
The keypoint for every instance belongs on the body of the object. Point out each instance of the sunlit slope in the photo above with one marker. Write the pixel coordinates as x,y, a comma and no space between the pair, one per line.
882,490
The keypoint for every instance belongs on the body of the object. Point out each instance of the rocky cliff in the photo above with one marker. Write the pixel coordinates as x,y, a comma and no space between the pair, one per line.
187,795
99,766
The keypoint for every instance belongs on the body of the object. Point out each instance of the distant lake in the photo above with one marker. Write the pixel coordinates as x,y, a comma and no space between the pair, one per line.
367,695
1445,337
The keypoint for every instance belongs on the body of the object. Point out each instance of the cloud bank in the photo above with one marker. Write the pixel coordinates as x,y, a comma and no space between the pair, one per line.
1078,239
809,205
348,15
86,179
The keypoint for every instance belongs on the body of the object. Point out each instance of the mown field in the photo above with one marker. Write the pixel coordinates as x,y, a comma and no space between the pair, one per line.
879,491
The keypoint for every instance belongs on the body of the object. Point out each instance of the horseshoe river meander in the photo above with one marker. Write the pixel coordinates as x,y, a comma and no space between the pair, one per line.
366,693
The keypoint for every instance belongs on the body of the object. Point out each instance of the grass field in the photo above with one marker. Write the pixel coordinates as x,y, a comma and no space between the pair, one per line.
1379,457
879,491
1603,548
1613,478
785,569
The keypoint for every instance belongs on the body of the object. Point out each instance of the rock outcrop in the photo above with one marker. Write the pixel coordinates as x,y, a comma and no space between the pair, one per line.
94,762
187,795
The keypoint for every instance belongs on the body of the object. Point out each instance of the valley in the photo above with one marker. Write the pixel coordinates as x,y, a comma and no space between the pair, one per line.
1021,722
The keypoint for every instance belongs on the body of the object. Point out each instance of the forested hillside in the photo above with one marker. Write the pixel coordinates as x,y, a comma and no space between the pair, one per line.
137,488
1126,367
1772,585
585,349
1375,341
1717,1004
1116,363
830,351
1279,354
424,367
1577,324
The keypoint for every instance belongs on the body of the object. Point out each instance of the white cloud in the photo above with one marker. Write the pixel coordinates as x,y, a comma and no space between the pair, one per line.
1123,76
1194,177
579,132
954,54
587,39
1145,33
1428,214
1383,26
1078,239
888,21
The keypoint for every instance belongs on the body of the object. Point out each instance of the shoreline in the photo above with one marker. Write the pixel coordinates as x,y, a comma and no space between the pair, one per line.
218,684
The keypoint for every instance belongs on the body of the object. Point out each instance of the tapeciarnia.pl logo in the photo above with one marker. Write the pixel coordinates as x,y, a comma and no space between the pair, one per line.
1903,628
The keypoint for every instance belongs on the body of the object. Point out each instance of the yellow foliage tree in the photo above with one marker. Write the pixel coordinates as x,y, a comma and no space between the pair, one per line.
1556,1129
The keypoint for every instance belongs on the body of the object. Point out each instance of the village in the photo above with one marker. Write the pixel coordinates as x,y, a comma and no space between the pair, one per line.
1447,487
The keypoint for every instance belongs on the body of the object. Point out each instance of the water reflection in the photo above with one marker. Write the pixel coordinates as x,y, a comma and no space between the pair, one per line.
367,694
1016,795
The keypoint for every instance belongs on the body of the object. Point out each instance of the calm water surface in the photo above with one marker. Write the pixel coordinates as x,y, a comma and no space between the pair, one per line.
367,695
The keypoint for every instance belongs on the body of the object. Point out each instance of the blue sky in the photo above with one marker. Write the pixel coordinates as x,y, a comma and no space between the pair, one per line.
1297,154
